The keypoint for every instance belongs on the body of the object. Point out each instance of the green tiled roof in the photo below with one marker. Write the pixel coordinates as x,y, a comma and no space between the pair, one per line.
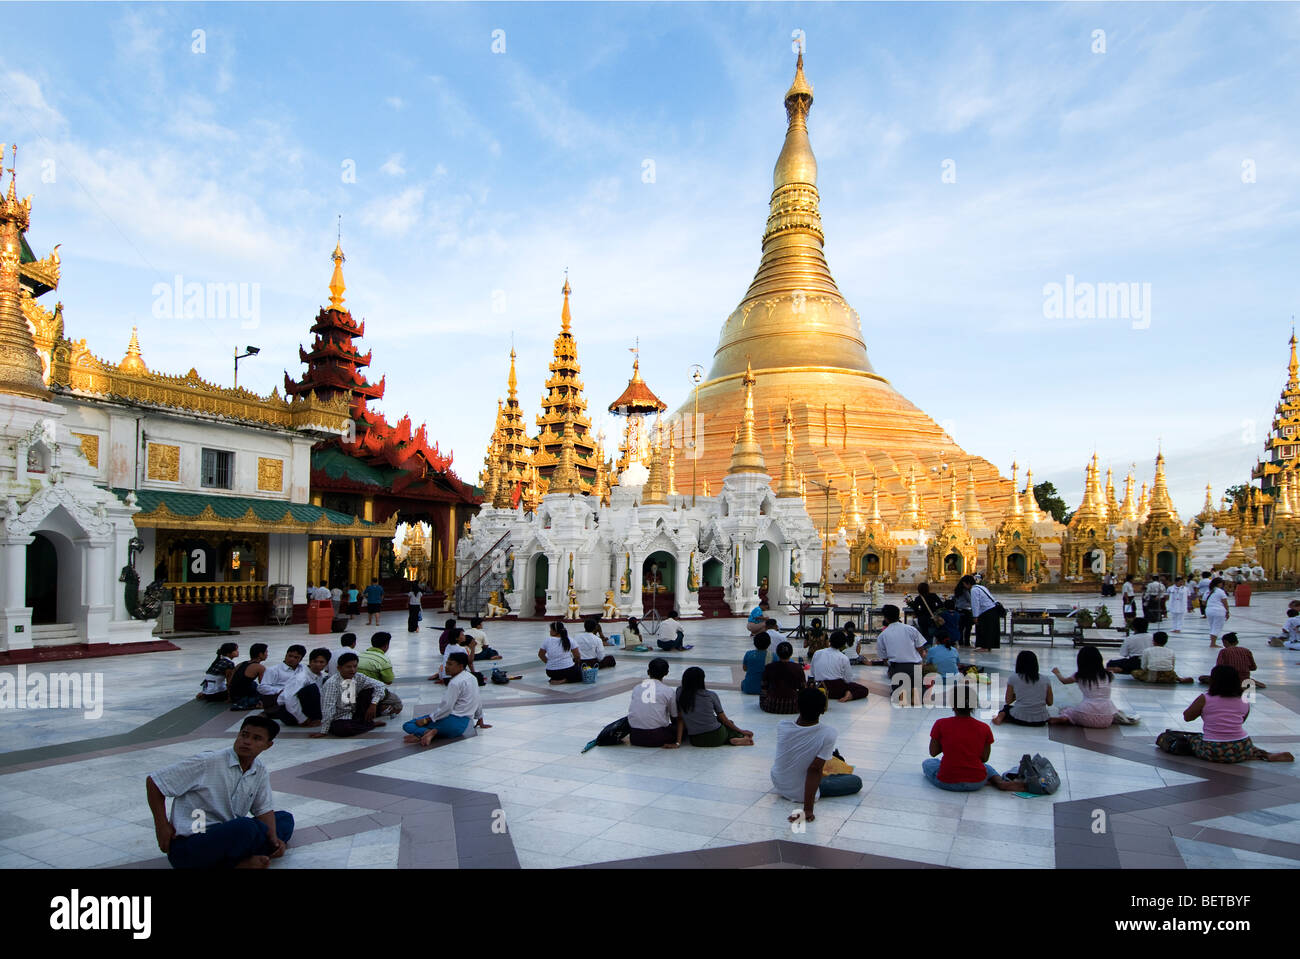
336,464
237,507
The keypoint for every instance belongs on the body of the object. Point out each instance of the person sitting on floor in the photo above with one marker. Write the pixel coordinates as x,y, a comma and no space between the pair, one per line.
757,622
458,642
1222,712
652,713
374,661
1028,694
902,647
1158,663
560,656
349,701
481,648
941,655
243,682
803,747
1130,652
632,636
445,636
754,663
299,702
591,646
816,637
672,635
222,813
460,706
216,680
1239,658
782,681
347,644
700,715
276,677
1096,711
965,744
1290,635
831,667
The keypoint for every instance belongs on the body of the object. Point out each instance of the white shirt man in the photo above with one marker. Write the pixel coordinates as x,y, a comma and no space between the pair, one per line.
796,748
461,698
589,645
981,601
1203,587
900,643
830,663
1158,659
333,665
653,705
288,697
1135,644
277,677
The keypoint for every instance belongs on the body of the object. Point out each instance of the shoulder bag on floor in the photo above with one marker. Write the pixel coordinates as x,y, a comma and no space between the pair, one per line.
1039,775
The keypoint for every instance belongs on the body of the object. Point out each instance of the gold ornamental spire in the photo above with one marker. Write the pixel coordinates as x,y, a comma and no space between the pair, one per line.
1112,504
512,381
747,455
672,468
789,485
1016,508
1209,498
337,286
793,291
504,494
1144,507
1293,368
600,489
854,518
954,512
566,479
1284,498
1129,508
915,517
1031,499
490,478
972,513
876,519
1162,505
653,493
565,318
21,370
133,362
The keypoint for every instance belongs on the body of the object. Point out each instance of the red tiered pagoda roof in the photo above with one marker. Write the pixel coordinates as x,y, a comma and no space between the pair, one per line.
418,470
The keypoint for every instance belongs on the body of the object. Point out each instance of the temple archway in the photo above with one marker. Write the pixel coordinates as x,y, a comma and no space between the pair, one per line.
1165,562
712,572
659,572
764,565
953,564
42,580
1016,567
541,570
869,565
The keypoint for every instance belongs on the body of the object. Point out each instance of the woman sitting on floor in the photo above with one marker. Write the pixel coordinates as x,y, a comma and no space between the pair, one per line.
965,744
700,715
217,678
1096,711
782,681
754,663
831,667
1222,712
1028,695
816,638
632,635
560,656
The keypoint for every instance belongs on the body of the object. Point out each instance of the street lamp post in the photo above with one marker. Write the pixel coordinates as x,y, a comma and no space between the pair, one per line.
252,351
826,534
697,374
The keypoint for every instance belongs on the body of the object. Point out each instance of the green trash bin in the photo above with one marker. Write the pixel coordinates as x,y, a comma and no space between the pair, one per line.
219,616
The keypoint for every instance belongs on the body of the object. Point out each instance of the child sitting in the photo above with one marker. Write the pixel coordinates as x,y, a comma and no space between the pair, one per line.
754,663
1158,663
1290,637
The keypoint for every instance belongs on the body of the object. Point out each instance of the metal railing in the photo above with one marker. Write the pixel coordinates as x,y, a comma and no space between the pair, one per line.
206,593
478,582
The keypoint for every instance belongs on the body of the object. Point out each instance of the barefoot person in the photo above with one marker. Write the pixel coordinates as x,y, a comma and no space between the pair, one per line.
700,715
1216,610
349,701
218,675
222,814
1096,711
652,712
1028,694
965,744
803,747
1222,712
1158,663
831,666
560,655
460,706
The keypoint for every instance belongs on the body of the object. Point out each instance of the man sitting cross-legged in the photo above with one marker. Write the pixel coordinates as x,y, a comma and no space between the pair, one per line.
214,793
374,663
275,678
652,713
460,706
349,701
299,702
803,746
1158,663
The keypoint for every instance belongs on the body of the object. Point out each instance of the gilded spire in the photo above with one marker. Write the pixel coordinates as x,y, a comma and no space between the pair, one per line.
915,516
789,485
1112,504
337,286
504,494
1031,499
1162,505
512,381
972,513
672,467
653,494
747,455
1016,508
566,479
855,505
1284,508
133,362
954,512
1143,506
876,519
793,284
565,319
1293,368
1128,509
21,370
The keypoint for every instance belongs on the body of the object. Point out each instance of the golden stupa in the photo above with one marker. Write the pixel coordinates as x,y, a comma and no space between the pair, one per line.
795,329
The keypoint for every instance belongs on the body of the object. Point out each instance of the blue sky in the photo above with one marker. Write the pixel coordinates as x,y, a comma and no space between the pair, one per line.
481,176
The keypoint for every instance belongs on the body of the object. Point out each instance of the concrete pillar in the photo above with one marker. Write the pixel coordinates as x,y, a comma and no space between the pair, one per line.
16,616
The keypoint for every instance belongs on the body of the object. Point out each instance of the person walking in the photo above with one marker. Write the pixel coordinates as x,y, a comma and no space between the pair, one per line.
1216,610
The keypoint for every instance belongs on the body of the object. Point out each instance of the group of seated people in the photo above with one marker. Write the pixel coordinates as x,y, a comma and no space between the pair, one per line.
1147,658
776,680
566,658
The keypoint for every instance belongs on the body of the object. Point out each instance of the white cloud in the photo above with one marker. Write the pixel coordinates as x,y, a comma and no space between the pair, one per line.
393,166
395,102
395,215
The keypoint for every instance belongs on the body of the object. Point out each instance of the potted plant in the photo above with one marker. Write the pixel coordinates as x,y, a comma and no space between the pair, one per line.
1084,618
1102,617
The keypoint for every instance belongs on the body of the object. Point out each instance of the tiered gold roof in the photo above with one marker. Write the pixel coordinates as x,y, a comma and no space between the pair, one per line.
1092,511
805,343
21,370
746,454
564,400
565,478
1282,447
513,446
